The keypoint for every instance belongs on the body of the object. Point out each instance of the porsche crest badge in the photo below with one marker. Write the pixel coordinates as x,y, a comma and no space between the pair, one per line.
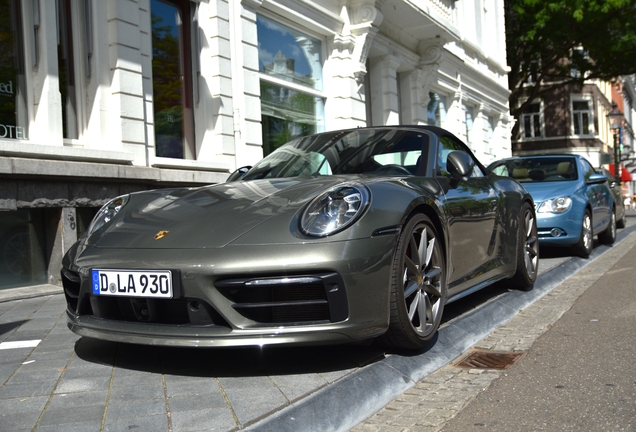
160,235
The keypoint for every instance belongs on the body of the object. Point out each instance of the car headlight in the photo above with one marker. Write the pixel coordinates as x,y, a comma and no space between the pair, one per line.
334,210
555,205
106,213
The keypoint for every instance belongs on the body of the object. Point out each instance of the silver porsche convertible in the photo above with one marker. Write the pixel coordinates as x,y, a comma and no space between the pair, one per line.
337,237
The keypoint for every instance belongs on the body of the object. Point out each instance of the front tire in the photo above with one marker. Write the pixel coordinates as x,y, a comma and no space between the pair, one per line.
584,247
418,286
527,250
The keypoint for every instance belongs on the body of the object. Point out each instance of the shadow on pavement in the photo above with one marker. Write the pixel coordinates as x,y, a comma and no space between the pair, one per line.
10,326
228,362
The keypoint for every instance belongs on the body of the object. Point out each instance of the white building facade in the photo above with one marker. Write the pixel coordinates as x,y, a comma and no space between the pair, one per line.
100,98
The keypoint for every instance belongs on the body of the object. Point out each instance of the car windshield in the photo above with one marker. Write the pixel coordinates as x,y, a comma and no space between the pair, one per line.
544,169
383,151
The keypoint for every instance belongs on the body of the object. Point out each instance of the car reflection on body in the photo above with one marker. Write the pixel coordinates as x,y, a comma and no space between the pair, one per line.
336,237
574,203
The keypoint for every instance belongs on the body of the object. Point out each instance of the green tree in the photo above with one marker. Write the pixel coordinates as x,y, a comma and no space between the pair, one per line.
561,42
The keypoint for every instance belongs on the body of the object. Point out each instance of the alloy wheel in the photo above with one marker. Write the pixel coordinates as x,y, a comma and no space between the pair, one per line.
531,247
422,280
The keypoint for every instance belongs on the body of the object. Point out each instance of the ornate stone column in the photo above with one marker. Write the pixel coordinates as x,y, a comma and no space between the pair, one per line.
431,53
346,67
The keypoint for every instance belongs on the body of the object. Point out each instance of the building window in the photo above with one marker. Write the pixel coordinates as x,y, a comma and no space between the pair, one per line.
66,70
172,79
290,66
22,248
469,118
531,121
581,117
579,56
436,109
13,111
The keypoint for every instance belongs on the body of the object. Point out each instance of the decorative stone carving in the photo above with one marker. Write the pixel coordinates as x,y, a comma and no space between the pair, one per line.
431,55
366,17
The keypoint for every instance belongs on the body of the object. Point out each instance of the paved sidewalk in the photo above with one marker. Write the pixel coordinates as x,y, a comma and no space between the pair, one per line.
433,403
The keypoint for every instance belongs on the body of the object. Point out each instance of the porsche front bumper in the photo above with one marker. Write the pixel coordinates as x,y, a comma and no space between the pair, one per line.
311,293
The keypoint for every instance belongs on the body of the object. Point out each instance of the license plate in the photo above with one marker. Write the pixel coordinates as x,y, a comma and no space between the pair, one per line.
132,283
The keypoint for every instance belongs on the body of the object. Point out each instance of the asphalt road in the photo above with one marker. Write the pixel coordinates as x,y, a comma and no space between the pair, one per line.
53,380
580,375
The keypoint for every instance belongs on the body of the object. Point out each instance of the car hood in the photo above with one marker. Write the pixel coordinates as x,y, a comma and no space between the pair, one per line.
207,217
541,191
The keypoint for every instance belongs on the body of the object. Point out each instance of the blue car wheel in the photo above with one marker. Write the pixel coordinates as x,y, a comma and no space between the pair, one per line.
584,247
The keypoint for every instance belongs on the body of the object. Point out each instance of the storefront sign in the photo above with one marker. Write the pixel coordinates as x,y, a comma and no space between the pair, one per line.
14,132
6,88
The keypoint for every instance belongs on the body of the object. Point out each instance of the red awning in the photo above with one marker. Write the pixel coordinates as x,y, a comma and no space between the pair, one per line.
625,174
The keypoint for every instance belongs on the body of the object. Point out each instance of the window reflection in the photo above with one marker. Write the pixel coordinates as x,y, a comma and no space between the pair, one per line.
288,56
436,109
369,151
13,112
171,80
288,114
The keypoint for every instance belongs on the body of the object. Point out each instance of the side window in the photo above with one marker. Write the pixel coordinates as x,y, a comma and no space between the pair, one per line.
588,169
501,170
405,153
448,145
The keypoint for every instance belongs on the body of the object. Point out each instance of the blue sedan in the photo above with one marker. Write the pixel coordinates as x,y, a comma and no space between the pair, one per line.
573,202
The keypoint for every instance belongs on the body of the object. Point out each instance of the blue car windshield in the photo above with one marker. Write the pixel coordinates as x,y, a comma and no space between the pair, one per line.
381,151
543,169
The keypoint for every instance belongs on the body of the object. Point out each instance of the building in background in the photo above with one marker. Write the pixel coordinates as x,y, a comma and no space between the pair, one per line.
624,95
101,98
573,119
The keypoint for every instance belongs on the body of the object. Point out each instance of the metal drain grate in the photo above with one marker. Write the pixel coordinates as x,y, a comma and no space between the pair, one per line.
477,359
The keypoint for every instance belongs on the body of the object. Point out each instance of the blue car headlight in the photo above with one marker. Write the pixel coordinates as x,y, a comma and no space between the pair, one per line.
555,205
106,213
334,210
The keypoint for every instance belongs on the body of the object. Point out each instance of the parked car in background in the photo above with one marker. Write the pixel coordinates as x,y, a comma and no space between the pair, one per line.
573,201
336,237
618,197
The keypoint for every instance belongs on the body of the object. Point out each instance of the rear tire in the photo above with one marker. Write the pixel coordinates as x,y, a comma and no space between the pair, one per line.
622,223
608,236
584,247
527,250
418,286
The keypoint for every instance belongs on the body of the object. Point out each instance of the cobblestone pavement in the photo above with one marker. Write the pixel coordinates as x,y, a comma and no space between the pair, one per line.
54,380
433,401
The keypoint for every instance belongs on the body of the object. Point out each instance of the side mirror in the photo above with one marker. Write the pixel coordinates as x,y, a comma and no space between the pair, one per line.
460,165
596,179
238,174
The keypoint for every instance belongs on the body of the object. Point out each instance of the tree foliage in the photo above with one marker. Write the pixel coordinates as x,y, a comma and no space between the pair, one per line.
561,42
